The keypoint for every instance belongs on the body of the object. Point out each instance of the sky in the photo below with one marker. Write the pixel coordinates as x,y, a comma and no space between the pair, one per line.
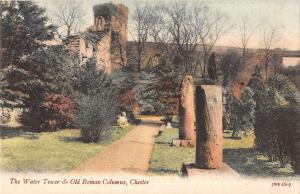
283,14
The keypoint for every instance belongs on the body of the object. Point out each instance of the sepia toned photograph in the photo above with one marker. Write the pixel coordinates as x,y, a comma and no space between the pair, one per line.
161,96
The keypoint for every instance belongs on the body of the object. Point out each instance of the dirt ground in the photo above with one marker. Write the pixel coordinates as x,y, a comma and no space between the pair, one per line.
129,154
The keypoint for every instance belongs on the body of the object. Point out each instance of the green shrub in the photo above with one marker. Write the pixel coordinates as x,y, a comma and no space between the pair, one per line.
276,121
239,114
260,90
96,103
282,91
275,131
243,113
51,112
95,116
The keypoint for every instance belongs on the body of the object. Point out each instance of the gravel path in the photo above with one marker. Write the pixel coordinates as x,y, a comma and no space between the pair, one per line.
131,153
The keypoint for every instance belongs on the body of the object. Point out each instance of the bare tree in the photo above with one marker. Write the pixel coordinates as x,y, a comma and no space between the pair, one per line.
269,35
174,27
158,32
141,26
211,27
180,28
246,30
69,16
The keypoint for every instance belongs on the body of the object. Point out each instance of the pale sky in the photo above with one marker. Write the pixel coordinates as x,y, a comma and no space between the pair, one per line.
284,14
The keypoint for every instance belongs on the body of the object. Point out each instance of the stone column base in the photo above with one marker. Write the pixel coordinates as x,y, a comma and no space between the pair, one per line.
183,143
192,170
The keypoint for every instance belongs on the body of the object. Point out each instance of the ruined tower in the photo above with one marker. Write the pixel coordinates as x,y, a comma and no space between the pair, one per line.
105,40
112,19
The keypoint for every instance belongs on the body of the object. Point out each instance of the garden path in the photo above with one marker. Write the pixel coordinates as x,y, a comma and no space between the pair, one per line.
131,153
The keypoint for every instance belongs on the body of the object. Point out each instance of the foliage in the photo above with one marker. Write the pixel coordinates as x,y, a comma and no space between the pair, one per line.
30,70
106,10
147,100
52,112
260,90
162,88
243,113
96,103
275,131
230,63
58,68
227,111
52,72
95,115
293,74
23,30
123,81
90,80
276,123
282,90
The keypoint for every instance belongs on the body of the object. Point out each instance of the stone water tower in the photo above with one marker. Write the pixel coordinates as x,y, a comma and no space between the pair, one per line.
113,18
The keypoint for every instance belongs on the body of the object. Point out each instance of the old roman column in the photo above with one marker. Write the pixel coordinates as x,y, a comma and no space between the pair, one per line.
209,146
186,111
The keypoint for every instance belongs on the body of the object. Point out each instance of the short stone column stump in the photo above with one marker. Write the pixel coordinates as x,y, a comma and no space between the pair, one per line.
183,142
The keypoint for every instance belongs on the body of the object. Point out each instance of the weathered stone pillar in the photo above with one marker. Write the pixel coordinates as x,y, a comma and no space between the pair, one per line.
186,111
209,146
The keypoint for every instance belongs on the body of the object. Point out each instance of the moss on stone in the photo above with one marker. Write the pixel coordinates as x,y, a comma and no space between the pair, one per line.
106,10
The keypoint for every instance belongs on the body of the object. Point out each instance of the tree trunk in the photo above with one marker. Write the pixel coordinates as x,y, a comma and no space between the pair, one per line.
266,67
68,31
139,56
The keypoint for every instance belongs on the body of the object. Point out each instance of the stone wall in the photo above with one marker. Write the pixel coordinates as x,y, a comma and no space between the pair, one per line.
78,45
152,49
151,55
102,53
118,52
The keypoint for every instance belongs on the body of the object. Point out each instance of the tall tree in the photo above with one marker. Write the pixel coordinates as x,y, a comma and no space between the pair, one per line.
141,26
269,36
212,25
181,28
246,30
69,16
24,29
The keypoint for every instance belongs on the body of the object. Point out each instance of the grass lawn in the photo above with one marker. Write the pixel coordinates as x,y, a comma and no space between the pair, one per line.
58,151
238,153
168,159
